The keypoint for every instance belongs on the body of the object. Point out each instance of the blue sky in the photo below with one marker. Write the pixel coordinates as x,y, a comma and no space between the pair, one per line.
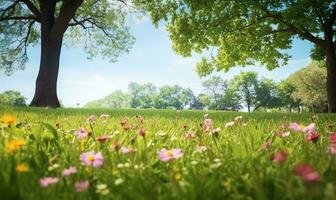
150,60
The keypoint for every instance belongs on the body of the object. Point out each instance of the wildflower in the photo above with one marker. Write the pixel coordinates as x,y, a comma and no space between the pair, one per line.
125,125
166,155
312,137
45,182
332,138
177,177
21,168
189,135
14,145
71,170
161,133
285,134
142,132
229,124
216,131
201,148
206,115
238,118
139,119
9,119
307,173
267,144
91,119
80,186
115,146
102,189
81,134
92,159
207,124
301,128
280,157
53,167
126,150
332,149
104,116
118,181
102,138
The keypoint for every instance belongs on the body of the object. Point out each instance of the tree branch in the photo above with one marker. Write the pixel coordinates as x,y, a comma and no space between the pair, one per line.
12,6
32,8
19,18
332,18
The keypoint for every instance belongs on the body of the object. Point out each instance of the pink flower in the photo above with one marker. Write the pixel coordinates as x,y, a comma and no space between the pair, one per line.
267,144
69,171
311,128
332,138
91,118
332,149
45,182
189,135
126,150
307,173
280,157
238,118
166,155
102,138
229,124
92,159
301,128
208,124
312,137
81,134
81,185
142,132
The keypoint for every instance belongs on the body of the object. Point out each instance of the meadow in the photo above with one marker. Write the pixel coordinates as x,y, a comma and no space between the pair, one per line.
165,154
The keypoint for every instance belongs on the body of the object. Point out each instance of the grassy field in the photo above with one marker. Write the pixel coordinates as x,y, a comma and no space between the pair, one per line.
44,155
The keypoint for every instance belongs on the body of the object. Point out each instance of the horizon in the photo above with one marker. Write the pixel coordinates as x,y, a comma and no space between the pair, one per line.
151,59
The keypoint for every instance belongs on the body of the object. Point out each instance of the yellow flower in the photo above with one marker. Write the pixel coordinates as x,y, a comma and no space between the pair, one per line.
9,119
178,177
21,168
14,145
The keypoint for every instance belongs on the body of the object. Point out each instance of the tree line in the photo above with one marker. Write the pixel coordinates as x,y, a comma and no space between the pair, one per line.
302,91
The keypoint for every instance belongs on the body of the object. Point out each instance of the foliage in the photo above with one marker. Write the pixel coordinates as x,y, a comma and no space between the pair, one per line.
310,87
116,99
13,98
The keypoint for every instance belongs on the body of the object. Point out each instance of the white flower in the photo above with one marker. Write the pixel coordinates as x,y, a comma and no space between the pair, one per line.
118,181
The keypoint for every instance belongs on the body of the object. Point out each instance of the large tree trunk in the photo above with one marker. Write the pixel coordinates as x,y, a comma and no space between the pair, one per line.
331,75
46,82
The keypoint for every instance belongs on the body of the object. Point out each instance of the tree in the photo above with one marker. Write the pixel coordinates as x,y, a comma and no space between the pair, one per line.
13,98
98,25
214,87
116,99
249,32
142,95
286,90
172,96
309,87
246,85
267,94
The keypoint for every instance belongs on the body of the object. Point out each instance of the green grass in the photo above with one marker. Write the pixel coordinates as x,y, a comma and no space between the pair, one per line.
234,166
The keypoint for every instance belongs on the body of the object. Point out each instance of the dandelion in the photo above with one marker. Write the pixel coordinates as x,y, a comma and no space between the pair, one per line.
81,134
45,182
102,138
69,171
9,119
307,173
208,124
21,168
14,145
126,150
229,124
280,157
166,155
92,159
80,186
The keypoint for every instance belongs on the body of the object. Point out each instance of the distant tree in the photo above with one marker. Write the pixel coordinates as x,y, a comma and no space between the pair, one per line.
246,32
286,90
246,86
267,94
309,87
117,99
12,97
98,26
196,102
142,95
230,100
172,96
214,88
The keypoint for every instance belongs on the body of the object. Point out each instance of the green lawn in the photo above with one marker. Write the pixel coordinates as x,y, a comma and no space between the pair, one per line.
230,165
